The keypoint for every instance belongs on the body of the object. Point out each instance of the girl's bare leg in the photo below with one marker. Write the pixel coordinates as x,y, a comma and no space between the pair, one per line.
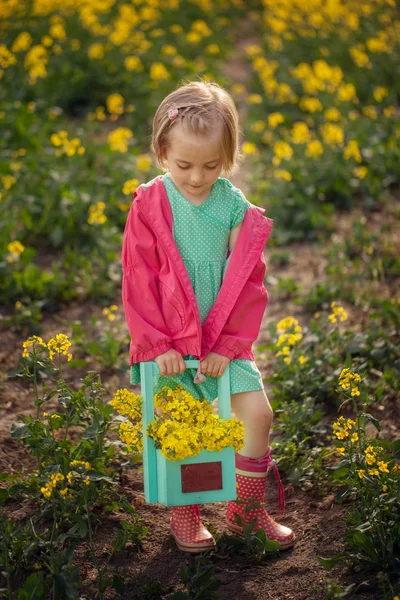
254,409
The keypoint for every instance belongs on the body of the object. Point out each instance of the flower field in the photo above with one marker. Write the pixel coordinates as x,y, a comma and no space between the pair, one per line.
317,88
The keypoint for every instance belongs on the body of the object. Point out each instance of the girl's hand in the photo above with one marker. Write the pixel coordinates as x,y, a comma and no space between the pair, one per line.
214,364
170,363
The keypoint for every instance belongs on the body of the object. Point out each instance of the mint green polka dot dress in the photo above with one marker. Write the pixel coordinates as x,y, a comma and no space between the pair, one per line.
202,236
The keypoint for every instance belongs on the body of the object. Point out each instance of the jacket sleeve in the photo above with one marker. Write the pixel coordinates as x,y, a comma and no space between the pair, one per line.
243,325
140,294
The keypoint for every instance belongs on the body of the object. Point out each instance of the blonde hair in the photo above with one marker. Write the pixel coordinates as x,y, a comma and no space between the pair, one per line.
201,105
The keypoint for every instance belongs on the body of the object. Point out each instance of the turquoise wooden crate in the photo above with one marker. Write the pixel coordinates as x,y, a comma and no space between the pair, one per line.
207,477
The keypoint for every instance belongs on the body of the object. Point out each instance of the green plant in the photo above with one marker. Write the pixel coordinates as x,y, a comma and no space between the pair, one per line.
200,582
369,473
254,544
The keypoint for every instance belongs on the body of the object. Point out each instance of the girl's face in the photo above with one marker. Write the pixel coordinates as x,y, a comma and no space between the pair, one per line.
194,162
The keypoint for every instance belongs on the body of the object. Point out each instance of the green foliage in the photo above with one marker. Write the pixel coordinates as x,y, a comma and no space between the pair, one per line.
200,582
369,473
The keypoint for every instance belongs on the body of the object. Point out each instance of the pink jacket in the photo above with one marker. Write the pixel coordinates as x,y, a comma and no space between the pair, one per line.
160,305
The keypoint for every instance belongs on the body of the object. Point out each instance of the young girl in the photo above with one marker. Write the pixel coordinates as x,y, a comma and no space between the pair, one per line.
193,271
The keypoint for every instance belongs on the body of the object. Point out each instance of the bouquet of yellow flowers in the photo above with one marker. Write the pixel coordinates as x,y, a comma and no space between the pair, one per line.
183,426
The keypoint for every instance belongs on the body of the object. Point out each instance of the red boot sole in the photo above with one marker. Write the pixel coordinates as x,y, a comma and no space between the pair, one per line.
193,548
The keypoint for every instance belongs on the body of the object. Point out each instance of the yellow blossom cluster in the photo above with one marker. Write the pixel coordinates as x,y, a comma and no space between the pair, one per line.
96,213
338,312
342,428
35,62
346,378
15,250
59,344
7,181
30,344
130,186
249,149
184,426
115,105
109,312
288,339
191,426
352,151
51,485
66,146
372,459
118,139
127,403
143,162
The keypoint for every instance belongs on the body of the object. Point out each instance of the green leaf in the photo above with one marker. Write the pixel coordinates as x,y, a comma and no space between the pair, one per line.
118,584
373,420
396,447
329,563
34,587
97,476
19,430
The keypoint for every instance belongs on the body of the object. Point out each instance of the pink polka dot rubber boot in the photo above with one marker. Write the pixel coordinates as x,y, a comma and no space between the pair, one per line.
251,476
188,531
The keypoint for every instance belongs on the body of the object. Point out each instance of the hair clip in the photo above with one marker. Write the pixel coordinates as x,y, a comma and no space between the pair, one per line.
173,113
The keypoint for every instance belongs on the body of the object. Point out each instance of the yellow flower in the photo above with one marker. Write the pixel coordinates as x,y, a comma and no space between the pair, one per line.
361,473
21,42
332,134
385,488
115,104
133,63
341,450
346,92
238,88
302,359
274,119
8,181
383,466
370,111
300,133
314,149
130,186
332,114
287,323
59,344
118,139
282,174
380,93
96,51
254,99
354,438
15,250
370,459
309,104
212,49
96,213
373,471
249,149
143,162
360,172
352,151
258,126
31,342
282,151
158,72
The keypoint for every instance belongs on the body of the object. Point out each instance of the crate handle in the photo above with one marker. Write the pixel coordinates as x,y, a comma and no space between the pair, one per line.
148,370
